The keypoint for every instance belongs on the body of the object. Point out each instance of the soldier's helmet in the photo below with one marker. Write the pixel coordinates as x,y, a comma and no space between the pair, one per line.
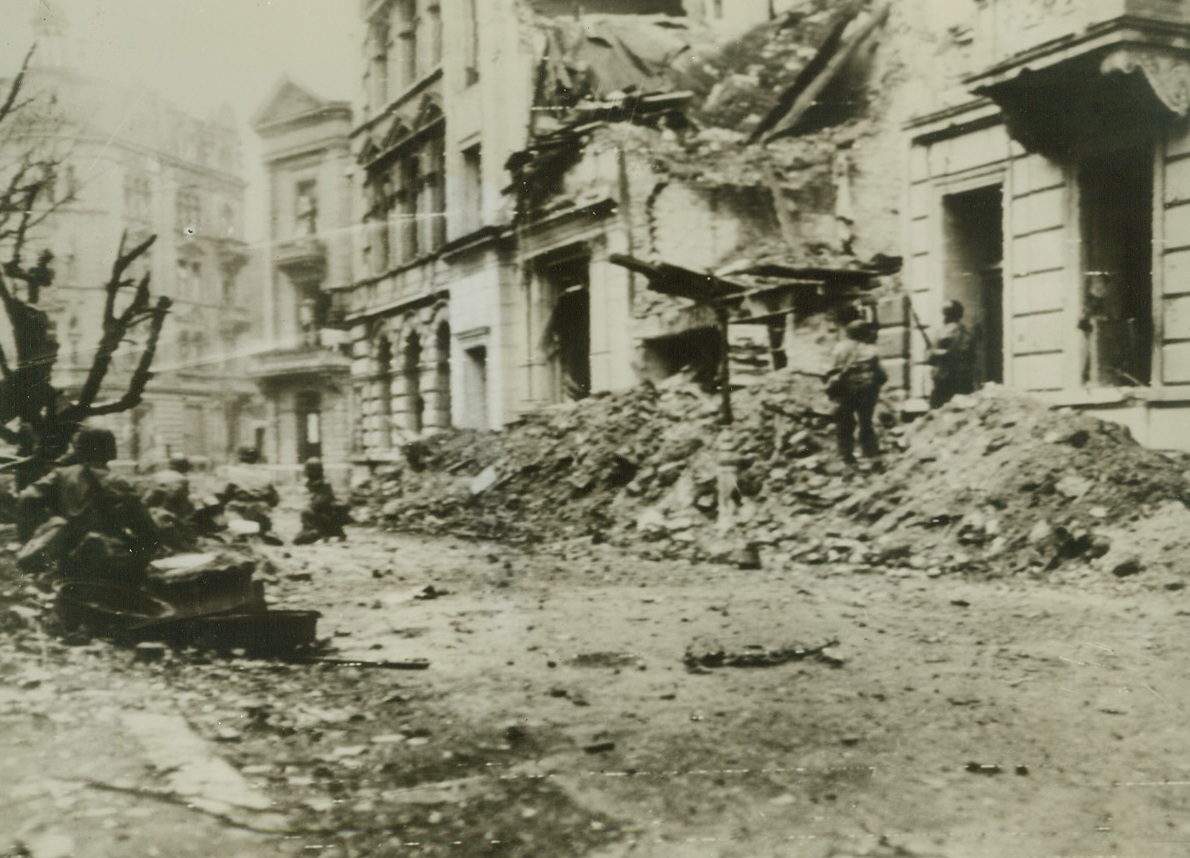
94,446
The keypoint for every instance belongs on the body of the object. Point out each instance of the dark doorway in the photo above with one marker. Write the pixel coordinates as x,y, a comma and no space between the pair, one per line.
568,331
442,375
414,405
1116,194
475,387
384,385
974,233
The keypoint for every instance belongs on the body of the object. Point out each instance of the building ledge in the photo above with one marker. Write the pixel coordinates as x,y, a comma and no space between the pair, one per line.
299,361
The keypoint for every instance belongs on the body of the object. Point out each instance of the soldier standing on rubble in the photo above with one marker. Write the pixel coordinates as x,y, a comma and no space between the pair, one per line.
853,382
89,522
324,517
952,356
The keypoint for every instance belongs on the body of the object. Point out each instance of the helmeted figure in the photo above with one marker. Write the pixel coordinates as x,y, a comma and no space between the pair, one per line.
853,382
86,522
323,517
952,356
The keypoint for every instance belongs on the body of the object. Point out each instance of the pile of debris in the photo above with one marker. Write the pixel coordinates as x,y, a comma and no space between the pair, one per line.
992,483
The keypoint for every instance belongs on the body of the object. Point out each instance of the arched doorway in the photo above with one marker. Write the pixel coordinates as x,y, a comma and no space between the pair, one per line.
384,392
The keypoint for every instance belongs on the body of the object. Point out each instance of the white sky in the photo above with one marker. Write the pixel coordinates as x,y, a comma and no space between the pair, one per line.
200,54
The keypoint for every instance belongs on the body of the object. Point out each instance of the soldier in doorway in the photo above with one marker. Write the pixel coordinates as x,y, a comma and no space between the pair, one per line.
952,355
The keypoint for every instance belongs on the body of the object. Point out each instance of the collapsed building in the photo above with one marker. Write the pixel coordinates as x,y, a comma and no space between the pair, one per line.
537,183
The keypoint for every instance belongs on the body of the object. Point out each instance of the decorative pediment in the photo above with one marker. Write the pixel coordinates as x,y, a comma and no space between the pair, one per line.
288,100
428,111
397,132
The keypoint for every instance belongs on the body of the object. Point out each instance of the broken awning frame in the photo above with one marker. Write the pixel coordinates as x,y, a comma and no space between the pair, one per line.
736,303
783,289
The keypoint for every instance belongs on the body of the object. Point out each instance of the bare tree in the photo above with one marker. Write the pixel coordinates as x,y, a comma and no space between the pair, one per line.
35,415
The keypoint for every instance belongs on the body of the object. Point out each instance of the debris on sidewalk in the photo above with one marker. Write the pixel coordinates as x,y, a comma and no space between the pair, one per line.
703,656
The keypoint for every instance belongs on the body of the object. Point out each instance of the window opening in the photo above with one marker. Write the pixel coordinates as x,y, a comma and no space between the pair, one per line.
1116,193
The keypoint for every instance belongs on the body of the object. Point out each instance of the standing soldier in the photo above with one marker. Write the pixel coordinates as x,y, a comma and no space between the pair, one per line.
952,356
324,517
853,382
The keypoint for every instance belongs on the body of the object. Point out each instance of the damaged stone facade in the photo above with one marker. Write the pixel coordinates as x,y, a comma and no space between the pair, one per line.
1063,230
835,136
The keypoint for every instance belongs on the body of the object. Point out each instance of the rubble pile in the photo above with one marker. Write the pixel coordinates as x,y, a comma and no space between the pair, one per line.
994,482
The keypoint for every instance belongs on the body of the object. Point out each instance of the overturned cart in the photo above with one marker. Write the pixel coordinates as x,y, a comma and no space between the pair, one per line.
207,601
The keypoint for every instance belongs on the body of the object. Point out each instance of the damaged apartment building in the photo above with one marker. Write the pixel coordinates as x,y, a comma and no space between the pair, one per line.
536,181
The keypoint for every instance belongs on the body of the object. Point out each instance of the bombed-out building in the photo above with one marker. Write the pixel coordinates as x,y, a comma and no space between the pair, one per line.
535,180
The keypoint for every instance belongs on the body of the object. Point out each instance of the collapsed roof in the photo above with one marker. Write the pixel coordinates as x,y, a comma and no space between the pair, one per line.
589,64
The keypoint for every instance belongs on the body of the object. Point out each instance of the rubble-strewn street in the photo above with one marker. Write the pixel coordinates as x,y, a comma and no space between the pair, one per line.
563,708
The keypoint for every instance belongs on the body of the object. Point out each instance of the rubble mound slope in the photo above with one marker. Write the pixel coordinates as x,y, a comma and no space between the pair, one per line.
994,483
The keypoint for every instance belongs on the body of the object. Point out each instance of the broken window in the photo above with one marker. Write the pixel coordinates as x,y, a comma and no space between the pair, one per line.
1116,194
697,353
567,340
974,242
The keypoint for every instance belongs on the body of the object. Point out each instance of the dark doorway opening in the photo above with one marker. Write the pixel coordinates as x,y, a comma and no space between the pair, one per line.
974,230
414,404
1116,194
568,331
475,387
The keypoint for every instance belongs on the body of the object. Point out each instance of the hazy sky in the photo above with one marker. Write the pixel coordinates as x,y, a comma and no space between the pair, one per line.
200,54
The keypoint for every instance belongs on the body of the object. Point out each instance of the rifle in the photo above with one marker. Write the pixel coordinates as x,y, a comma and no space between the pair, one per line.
925,335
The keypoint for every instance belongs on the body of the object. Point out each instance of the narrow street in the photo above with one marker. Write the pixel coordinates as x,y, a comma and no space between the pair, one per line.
557,716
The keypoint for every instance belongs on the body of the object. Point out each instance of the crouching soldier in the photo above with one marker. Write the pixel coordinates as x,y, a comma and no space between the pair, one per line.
323,517
853,382
86,521
167,495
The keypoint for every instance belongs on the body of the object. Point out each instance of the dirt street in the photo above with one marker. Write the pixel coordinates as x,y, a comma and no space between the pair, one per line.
558,716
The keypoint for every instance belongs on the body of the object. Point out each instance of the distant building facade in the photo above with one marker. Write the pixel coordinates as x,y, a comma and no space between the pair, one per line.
303,375
133,164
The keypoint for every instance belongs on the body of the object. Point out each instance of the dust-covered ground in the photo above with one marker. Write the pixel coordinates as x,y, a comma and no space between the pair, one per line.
583,701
